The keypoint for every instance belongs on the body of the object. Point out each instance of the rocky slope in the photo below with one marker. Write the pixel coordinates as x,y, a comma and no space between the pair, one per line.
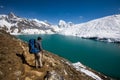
17,64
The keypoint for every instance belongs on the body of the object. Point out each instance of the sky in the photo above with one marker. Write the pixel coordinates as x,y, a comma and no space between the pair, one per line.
76,11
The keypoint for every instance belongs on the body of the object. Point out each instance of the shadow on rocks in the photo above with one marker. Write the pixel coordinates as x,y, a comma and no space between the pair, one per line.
24,60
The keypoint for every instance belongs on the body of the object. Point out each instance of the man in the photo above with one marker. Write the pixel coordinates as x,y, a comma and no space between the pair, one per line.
38,56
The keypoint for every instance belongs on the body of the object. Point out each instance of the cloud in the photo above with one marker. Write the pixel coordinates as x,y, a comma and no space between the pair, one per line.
1,6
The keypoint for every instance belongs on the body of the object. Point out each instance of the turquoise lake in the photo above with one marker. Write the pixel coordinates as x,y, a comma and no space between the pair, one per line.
100,56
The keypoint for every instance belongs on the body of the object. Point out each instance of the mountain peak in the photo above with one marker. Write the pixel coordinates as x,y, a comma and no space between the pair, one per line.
12,15
62,23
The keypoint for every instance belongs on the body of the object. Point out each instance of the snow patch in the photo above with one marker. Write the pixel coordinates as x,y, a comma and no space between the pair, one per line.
80,67
3,23
40,22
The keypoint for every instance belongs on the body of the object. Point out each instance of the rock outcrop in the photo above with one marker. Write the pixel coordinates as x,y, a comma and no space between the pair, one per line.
16,63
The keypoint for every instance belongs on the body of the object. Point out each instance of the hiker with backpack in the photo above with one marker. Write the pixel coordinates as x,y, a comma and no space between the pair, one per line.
35,48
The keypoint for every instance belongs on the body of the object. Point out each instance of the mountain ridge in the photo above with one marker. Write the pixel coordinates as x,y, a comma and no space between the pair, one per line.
102,29
13,24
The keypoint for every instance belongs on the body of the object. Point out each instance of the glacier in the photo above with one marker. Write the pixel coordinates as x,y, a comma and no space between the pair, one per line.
104,29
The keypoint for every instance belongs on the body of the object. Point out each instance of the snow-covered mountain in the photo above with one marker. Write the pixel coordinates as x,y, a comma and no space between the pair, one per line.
63,24
106,28
16,25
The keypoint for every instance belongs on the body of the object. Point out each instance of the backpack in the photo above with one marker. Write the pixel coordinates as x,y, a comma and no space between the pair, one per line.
32,48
